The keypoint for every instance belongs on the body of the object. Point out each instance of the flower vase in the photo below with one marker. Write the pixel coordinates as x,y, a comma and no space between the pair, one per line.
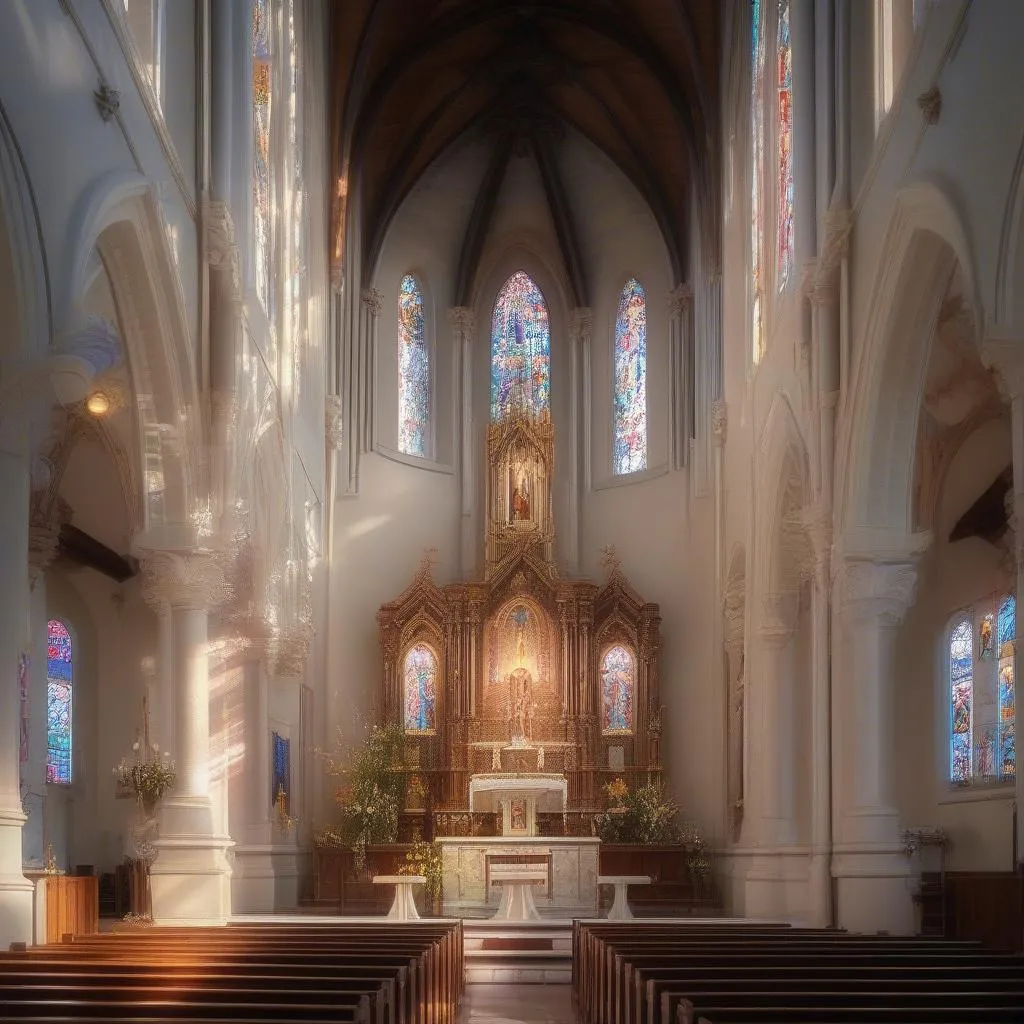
149,806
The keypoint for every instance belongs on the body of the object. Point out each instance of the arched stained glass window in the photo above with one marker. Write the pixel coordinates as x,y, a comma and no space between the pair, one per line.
413,370
59,681
756,180
419,671
262,163
520,350
630,451
618,682
784,131
982,688
961,679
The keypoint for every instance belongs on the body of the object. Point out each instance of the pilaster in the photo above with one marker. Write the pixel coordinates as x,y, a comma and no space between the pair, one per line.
681,368
581,325
462,320
372,307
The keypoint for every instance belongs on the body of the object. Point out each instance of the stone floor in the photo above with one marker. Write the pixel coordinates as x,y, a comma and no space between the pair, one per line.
517,1004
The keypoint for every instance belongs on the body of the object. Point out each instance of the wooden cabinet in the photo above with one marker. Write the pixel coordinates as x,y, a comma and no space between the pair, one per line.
72,906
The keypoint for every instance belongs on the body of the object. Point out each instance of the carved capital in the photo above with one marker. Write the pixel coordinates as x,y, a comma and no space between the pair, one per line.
878,590
719,421
333,421
44,534
222,245
1005,358
463,320
930,103
184,579
680,299
293,650
581,324
373,300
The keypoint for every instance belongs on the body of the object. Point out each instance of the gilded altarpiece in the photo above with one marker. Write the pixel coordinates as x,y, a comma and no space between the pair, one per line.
523,670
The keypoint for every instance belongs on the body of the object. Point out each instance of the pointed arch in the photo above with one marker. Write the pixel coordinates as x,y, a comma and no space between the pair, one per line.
629,453
414,376
618,690
520,350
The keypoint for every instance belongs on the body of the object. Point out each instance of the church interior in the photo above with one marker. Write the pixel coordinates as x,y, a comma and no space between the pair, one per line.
566,453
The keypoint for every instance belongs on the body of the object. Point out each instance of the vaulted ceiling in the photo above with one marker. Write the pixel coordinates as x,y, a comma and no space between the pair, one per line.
638,78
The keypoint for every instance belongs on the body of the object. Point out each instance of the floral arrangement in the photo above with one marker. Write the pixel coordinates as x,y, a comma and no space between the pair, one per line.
372,794
425,859
644,815
148,781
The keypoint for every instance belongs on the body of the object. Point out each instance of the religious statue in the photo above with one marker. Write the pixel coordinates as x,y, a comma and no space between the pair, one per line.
521,499
522,706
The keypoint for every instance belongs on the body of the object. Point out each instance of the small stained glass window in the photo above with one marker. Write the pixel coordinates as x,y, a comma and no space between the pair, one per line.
413,370
59,683
982,693
618,681
630,398
756,180
520,350
784,131
420,681
281,782
262,162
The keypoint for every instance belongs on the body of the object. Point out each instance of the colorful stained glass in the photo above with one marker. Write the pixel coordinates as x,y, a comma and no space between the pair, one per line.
413,370
618,680
961,697
281,780
784,131
59,679
262,173
1006,713
630,452
985,637
520,350
756,179
420,672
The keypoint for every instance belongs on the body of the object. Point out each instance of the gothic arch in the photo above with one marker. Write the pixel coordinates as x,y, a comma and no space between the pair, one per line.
119,219
1009,290
875,455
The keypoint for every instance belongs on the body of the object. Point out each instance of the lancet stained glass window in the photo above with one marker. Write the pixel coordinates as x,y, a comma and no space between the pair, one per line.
420,679
756,179
520,350
618,681
982,693
784,131
413,370
630,398
281,781
262,165
59,681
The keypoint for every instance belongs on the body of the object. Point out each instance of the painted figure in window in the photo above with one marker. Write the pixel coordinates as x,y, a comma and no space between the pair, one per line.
58,703
520,503
985,754
784,128
756,179
413,370
520,350
517,816
961,697
1007,705
420,689
985,638
618,671
630,396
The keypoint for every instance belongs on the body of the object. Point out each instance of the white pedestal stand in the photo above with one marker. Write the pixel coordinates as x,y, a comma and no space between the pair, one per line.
620,905
404,906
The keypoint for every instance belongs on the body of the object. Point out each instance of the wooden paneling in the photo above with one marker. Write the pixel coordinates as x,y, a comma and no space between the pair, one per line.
72,906
987,906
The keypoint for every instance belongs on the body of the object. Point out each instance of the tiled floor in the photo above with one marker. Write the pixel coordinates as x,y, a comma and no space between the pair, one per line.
518,1004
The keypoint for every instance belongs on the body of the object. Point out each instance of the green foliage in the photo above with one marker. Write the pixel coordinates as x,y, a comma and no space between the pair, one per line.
372,793
147,780
645,815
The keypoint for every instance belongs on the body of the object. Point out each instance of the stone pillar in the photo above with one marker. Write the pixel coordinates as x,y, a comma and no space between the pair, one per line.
463,324
373,306
681,366
873,883
581,322
1006,357
733,639
15,890
189,878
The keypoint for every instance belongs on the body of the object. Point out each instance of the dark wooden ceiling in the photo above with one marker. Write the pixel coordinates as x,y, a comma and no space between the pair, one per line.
638,78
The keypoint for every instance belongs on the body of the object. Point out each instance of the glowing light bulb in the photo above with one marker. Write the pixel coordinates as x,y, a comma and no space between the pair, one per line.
98,403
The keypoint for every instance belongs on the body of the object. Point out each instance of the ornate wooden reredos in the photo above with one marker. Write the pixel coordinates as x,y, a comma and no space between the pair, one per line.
523,671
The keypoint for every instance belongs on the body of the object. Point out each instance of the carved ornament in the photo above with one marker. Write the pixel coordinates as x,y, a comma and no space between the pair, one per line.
222,245
719,421
878,589
930,103
581,322
680,299
108,100
463,320
333,421
184,579
373,300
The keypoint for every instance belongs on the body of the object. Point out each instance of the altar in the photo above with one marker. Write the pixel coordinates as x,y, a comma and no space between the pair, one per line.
517,797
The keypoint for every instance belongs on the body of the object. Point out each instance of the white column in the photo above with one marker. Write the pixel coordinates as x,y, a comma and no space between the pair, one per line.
463,323
873,884
1006,357
373,306
681,383
15,890
189,878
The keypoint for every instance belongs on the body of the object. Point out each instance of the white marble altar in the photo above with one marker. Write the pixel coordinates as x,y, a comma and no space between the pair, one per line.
518,797
470,864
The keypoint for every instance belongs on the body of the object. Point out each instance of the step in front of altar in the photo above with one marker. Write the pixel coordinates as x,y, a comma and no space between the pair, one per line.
532,953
